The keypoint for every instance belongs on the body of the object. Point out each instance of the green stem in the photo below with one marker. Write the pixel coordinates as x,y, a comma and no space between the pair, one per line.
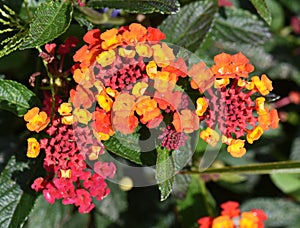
262,168
27,9
51,84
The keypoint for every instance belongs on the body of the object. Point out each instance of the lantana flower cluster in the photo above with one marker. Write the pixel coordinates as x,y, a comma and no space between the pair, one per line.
234,107
68,176
232,217
128,78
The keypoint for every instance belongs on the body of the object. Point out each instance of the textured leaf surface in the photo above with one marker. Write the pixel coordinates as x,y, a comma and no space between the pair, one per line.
188,210
287,182
164,172
190,26
280,212
240,26
15,204
263,10
138,6
50,21
15,97
127,146
45,215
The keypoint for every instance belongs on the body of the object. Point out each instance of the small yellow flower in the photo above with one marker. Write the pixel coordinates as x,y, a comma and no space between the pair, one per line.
65,173
106,58
68,120
65,109
248,219
254,134
82,116
139,89
263,85
128,53
210,136
143,50
219,83
236,148
104,101
94,154
202,106
151,69
33,148
223,221
260,106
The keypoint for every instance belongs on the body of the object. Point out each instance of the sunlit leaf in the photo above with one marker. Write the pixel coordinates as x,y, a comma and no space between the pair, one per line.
15,204
51,19
280,212
48,215
263,10
240,26
164,172
190,26
197,203
138,6
15,97
127,146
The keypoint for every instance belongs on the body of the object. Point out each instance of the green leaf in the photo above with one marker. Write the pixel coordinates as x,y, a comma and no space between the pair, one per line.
15,97
263,10
15,204
45,215
286,182
127,146
138,6
181,185
261,168
50,21
189,211
164,172
240,26
190,26
293,5
295,150
15,33
280,212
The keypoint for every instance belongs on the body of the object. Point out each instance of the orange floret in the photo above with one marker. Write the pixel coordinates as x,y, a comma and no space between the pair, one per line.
37,121
202,77
147,109
263,85
223,221
136,33
249,220
111,39
231,66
